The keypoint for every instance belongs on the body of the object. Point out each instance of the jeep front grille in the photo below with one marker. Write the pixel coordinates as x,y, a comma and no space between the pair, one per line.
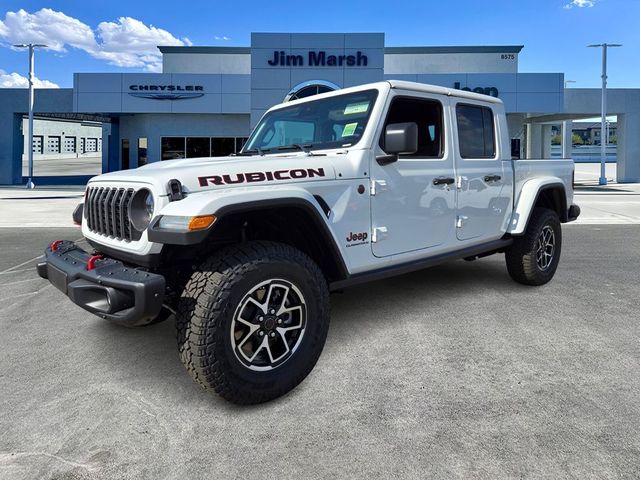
107,212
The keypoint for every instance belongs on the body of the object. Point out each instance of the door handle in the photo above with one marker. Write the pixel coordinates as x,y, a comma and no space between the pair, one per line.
492,178
443,181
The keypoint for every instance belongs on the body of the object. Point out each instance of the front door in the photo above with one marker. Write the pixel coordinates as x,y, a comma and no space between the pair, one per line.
413,199
483,180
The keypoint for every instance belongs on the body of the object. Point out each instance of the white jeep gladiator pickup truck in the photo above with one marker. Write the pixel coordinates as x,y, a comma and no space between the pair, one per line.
329,191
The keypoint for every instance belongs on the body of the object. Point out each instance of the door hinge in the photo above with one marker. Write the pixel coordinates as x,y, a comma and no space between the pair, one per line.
379,233
460,220
378,186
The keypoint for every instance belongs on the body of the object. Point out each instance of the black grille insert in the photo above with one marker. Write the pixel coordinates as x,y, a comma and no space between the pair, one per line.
107,212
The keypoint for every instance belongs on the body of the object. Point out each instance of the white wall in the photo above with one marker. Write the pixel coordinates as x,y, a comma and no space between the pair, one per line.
449,63
206,63
62,129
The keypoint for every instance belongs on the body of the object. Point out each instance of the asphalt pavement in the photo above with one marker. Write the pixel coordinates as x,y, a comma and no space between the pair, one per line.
451,372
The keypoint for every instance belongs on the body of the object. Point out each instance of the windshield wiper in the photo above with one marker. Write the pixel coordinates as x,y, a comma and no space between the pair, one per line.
295,146
251,151
306,148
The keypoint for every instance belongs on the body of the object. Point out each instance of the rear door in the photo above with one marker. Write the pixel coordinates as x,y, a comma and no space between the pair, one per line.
409,211
483,180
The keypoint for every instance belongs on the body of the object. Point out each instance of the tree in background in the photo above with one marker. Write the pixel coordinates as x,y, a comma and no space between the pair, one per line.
576,139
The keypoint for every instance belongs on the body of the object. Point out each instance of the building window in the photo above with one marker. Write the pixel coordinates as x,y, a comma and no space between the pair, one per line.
37,144
222,146
124,152
476,133
307,89
427,114
53,144
172,148
69,144
193,147
240,141
142,151
83,145
198,147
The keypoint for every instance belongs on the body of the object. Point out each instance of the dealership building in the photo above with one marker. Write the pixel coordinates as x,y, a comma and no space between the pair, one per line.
207,99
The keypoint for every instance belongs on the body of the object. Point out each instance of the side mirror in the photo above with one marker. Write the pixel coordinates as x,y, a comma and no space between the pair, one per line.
399,138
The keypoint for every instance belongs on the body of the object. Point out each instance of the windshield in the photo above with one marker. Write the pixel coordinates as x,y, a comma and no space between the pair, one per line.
333,122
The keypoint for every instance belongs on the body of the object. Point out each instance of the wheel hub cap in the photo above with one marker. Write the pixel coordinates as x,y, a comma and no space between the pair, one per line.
268,324
545,248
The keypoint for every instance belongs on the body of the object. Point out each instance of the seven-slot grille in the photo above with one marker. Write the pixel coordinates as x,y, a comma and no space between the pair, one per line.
107,212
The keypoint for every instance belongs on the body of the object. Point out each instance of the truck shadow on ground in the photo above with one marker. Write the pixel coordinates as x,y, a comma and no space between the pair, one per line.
151,352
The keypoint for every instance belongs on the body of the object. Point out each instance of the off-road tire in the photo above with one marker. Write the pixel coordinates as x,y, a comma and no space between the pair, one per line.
208,304
522,263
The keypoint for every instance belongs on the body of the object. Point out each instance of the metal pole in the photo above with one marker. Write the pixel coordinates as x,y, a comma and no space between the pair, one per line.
30,183
603,122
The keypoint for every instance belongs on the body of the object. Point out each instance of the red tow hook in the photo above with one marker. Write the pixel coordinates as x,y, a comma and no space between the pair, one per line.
55,244
91,263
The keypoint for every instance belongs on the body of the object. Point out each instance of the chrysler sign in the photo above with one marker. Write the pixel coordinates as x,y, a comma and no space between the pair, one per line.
166,92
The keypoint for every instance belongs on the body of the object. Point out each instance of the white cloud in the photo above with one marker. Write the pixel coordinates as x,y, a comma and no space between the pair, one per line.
15,80
222,37
46,26
127,42
580,4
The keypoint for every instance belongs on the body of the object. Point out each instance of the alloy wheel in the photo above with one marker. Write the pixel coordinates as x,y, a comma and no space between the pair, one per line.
268,325
545,248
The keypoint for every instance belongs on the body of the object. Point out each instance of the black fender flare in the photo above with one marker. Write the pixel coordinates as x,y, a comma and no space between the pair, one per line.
193,238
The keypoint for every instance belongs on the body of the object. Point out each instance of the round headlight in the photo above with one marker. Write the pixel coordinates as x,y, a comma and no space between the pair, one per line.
141,210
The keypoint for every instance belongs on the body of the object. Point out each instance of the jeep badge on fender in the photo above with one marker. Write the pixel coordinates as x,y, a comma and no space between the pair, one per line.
330,191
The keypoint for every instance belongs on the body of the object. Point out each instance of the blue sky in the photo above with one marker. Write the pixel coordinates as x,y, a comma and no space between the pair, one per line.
115,36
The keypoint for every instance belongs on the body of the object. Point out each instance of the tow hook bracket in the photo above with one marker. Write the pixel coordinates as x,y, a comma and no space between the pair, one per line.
91,262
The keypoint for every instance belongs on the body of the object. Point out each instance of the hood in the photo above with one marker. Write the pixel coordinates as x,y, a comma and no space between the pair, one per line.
198,174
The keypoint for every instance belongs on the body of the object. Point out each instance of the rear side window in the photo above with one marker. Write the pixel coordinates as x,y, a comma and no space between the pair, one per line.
428,115
476,133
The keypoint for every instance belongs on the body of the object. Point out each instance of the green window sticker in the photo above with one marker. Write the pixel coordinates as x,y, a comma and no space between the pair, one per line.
349,129
353,108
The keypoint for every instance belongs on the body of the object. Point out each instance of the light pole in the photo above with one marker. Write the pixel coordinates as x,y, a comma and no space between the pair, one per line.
603,121
31,47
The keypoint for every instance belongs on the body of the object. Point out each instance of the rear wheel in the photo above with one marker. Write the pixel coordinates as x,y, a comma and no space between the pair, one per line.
252,321
533,258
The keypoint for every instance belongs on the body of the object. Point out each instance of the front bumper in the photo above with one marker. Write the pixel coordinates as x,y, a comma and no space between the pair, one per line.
110,289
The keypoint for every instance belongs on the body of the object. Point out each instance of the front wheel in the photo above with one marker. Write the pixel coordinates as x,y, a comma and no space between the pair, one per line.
252,321
533,258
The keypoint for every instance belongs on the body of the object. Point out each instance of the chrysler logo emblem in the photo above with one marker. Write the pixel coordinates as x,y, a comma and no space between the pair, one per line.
166,92
167,96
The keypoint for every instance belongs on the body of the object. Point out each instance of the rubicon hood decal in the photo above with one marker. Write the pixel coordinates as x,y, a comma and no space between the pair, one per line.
248,177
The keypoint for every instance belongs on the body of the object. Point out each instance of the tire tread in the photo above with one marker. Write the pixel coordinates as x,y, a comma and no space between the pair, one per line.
203,305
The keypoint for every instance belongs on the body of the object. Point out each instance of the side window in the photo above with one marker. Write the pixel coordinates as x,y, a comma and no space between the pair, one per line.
476,133
428,115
